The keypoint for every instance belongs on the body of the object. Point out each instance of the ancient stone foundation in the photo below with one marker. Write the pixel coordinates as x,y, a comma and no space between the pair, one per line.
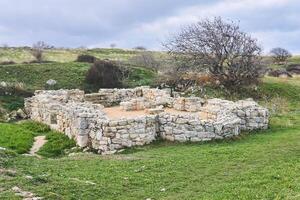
114,119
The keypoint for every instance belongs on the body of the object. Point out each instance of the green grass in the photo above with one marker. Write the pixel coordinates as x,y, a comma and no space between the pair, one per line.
20,137
15,54
34,76
259,166
67,75
56,145
140,77
35,127
20,55
15,138
262,165
294,60
11,102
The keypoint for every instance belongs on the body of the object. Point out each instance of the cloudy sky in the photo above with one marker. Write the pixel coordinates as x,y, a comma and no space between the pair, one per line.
129,23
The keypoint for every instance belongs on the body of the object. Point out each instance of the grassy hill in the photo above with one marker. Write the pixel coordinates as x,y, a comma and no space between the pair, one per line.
60,66
261,165
20,55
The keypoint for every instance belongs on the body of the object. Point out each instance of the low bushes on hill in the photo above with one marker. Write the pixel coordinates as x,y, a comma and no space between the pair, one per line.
7,63
34,76
86,58
105,74
279,73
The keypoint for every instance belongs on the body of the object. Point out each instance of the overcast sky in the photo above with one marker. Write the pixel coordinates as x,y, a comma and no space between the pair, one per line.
129,23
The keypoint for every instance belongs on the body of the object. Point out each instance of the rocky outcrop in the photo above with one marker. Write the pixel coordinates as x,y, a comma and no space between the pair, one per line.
293,69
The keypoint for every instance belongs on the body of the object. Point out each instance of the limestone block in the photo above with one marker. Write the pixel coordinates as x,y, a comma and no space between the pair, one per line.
82,140
180,138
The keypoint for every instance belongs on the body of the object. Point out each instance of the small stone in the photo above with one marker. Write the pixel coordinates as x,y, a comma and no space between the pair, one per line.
28,177
51,82
2,149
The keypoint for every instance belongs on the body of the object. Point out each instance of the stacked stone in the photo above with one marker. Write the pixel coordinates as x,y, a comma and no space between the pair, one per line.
252,115
190,127
62,113
65,111
112,135
136,104
62,96
76,120
111,97
191,104
158,97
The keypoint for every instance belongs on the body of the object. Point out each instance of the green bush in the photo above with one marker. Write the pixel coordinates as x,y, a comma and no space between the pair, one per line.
86,58
104,74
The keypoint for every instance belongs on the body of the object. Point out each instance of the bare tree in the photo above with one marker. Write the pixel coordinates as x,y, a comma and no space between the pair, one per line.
280,55
37,50
219,47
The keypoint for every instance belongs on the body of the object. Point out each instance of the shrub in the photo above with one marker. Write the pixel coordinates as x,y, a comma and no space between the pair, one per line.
86,58
7,63
105,74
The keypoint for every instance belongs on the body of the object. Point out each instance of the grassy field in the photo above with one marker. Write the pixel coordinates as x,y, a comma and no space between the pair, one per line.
34,76
20,55
261,165
68,75
264,165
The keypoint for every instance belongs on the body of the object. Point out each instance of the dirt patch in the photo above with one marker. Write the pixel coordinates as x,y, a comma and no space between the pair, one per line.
39,141
117,113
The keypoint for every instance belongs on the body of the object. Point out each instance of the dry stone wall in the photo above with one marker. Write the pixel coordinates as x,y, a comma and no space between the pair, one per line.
82,117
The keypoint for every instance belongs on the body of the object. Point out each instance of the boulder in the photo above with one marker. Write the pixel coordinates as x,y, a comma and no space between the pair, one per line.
293,69
3,84
21,114
16,115
280,73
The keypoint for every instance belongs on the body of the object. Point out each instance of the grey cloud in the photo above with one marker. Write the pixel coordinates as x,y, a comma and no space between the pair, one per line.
100,22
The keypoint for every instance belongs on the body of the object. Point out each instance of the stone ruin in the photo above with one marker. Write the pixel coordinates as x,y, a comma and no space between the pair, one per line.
114,119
